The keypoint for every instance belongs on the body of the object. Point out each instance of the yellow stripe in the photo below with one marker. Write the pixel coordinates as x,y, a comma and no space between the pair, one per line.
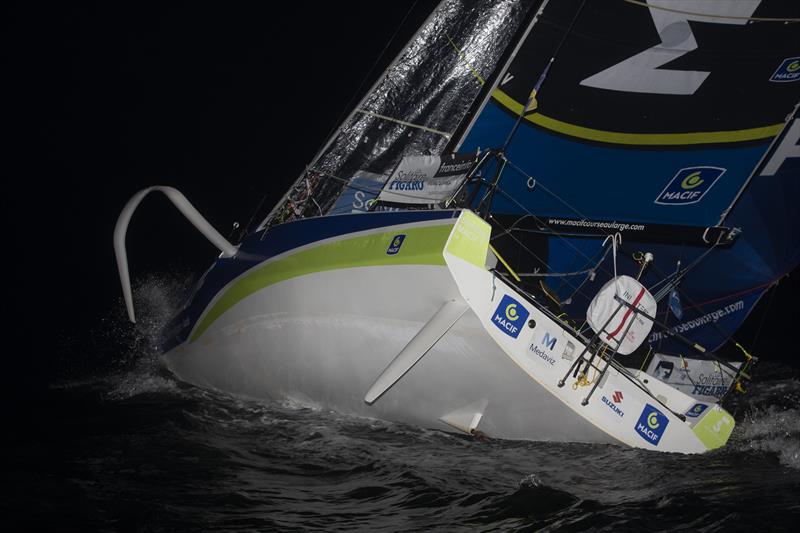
641,139
504,263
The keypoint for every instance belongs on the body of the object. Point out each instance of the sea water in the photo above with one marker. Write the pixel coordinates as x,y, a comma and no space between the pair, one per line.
126,446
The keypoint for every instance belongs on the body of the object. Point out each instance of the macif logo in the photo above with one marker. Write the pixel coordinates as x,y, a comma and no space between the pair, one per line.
509,316
651,424
696,410
397,242
788,71
689,185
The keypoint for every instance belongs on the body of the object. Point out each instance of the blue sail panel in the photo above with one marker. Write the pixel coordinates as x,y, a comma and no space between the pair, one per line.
611,182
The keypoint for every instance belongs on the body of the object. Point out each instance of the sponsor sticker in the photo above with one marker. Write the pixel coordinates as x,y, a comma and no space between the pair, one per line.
543,349
697,410
651,424
616,398
664,370
689,185
569,351
394,246
788,71
510,316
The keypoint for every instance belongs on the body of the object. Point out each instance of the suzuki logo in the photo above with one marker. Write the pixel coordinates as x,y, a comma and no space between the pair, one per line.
617,396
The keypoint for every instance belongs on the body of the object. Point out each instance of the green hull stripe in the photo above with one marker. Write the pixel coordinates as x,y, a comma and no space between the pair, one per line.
422,246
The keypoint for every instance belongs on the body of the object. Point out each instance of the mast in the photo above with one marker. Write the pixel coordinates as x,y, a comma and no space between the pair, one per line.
776,142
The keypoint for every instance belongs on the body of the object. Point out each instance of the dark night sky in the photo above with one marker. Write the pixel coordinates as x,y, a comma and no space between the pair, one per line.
226,102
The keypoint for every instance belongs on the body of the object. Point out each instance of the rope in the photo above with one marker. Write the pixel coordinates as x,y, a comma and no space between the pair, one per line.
646,357
464,59
763,319
554,274
405,123
706,15
500,257
551,193
538,220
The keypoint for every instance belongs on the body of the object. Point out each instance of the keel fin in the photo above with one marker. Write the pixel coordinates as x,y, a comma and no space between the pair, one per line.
423,341
466,418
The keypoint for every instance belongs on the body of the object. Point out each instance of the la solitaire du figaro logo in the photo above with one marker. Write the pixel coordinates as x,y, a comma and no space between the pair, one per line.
689,185
651,424
788,71
510,316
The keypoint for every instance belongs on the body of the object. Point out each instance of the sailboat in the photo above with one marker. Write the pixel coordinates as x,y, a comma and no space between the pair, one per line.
539,214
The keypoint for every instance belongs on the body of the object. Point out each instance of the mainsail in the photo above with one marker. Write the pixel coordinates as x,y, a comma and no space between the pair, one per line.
654,119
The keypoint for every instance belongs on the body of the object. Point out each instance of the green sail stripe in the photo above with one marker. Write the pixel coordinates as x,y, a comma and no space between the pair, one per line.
422,246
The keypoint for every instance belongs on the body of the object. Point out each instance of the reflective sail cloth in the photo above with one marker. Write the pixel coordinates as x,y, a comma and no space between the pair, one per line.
651,120
419,101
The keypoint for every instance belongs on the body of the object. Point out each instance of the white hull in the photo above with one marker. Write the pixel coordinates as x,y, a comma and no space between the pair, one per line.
342,320
324,338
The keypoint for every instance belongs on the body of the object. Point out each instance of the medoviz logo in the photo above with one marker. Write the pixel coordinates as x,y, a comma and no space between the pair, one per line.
689,185
509,316
651,424
549,341
789,70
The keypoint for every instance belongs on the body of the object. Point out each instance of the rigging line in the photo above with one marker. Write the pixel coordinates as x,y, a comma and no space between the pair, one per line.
760,165
531,105
464,59
551,193
405,123
537,219
766,313
372,68
678,276
521,244
531,252
587,278
743,292
640,3
500,70
692,304
562,274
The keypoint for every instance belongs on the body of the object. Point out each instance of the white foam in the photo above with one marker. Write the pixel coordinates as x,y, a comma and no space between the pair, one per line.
773,430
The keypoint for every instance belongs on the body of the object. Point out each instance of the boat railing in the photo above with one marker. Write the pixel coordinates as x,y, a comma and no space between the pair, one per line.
587,342
186,208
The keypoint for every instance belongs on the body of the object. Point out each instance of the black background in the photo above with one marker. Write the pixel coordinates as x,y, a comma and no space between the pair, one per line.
226,102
